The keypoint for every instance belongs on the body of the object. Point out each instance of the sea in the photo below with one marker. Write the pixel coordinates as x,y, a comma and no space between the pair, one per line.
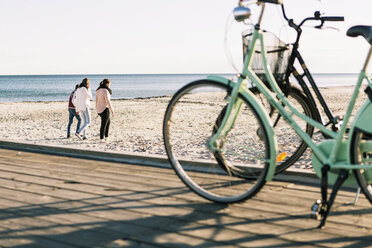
42,88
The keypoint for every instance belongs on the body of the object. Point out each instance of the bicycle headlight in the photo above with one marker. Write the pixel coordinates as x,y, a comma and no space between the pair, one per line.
242,13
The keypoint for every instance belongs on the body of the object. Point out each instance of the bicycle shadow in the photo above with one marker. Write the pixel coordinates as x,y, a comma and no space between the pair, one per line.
141,219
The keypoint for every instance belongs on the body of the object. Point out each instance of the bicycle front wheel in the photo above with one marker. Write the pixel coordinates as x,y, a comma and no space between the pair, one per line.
360,154
237,170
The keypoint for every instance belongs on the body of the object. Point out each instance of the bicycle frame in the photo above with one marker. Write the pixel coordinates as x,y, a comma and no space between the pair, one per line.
291,70
333,159
299,77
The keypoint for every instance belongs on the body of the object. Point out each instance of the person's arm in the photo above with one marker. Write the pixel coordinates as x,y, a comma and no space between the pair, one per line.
89,94
74,98
108,102
97,101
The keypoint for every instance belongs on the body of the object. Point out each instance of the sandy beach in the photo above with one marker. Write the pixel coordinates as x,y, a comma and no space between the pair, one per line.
137,126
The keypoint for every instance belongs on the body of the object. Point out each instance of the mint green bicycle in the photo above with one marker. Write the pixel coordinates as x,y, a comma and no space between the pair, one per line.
221,143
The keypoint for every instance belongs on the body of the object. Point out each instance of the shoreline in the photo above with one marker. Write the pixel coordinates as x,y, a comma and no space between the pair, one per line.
114,99
137,126
327,87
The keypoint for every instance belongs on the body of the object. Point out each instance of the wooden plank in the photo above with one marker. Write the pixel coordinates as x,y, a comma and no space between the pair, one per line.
265,204
38,190
135,196
280,193
101,166
116,214
111,221
61,169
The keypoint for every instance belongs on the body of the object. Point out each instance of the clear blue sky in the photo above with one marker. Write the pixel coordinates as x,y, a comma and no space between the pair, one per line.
164,36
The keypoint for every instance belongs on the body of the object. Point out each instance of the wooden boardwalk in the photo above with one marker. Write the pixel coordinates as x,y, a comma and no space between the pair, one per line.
51,201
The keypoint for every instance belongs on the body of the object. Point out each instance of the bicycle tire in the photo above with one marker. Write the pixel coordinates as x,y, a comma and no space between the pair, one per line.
287,139
187,127
357,156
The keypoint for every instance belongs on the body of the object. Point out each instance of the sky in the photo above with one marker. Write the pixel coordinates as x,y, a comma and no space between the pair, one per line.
164,36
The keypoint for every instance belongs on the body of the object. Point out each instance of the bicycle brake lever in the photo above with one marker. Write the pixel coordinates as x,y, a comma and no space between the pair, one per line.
320,25
329,27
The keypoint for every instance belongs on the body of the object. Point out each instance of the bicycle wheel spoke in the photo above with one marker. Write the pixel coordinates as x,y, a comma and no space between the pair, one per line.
251,154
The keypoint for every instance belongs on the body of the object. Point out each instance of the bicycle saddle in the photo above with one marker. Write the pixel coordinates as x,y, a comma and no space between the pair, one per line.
365,31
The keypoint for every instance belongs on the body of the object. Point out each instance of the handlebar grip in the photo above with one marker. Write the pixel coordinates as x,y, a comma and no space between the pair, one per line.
333,18
271,1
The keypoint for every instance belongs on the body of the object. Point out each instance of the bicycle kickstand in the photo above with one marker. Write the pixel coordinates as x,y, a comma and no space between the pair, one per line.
356,197
321,208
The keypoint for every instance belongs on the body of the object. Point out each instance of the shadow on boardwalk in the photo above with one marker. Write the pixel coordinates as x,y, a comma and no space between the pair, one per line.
85,224
55,202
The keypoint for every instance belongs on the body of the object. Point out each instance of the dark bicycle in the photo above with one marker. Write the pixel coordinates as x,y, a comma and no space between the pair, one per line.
282,58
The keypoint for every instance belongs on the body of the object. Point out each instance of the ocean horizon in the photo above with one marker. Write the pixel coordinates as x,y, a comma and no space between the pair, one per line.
35,88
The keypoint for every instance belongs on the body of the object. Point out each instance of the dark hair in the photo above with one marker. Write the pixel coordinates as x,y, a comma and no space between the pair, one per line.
84,83
77,86
103,84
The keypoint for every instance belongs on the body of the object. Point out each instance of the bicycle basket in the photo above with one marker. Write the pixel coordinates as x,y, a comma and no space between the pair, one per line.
278,54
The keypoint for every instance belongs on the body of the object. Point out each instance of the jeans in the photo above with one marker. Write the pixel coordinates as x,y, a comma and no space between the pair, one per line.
71,114
87,119
105,123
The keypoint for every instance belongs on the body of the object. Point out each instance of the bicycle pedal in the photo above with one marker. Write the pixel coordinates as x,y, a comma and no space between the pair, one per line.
316,210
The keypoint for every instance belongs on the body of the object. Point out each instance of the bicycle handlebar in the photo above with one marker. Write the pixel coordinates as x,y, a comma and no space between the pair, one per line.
317,17
271,1
333,18
242,2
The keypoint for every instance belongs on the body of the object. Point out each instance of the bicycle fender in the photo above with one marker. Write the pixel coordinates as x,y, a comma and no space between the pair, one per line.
262,113
363,120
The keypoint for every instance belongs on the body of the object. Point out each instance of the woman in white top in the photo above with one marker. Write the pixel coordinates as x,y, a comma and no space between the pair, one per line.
104,107
82,98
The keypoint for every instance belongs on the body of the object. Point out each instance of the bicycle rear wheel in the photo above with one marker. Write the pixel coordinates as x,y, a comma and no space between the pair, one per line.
287,139
237,171
360,154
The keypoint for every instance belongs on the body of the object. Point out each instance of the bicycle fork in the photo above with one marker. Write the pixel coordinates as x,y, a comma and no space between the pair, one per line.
227,117
224,123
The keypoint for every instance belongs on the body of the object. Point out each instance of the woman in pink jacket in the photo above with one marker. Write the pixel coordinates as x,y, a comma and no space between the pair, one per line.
104,107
